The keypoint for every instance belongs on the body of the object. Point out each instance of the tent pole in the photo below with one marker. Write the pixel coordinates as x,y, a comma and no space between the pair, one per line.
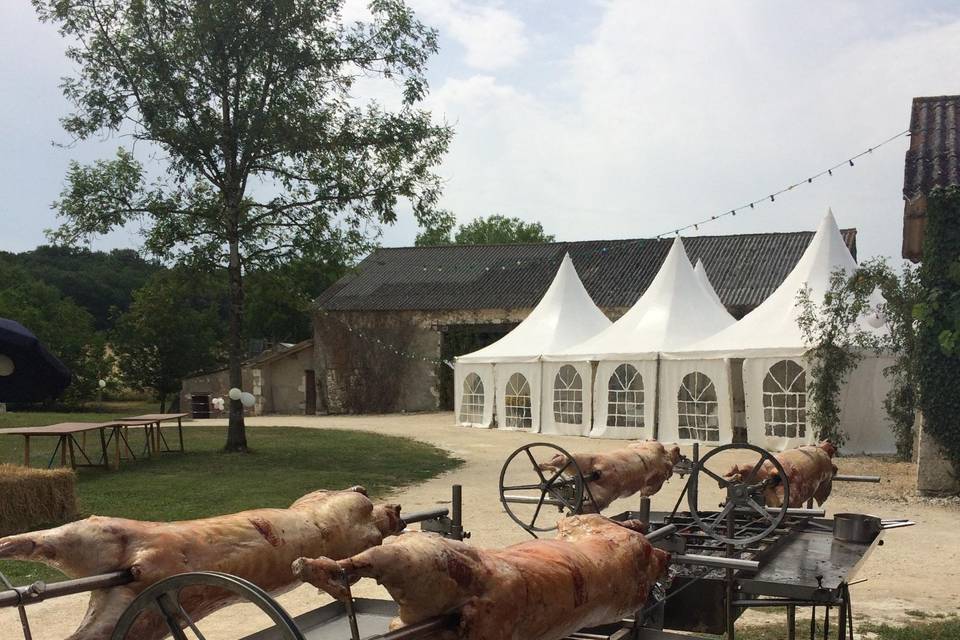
656,402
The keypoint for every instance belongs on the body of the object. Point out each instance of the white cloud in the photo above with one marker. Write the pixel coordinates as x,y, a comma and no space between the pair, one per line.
492,37
669,115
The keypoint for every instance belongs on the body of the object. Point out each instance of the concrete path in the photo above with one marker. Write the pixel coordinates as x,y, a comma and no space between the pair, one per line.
917,568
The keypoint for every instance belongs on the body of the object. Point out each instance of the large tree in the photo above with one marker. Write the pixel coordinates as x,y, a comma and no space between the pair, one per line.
260,148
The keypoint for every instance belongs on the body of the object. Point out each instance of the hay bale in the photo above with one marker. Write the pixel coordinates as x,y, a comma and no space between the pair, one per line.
34,498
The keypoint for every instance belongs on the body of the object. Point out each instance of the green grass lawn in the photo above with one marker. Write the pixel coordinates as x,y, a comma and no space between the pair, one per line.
285,463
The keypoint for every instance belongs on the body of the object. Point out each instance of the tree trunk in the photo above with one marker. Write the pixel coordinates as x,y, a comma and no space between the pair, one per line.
163,403
236,432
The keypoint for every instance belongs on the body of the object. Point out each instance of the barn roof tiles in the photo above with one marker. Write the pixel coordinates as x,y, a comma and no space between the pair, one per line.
931,160
744,270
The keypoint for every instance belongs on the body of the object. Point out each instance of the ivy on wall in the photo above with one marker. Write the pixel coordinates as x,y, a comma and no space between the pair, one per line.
835,345
938,315
901,292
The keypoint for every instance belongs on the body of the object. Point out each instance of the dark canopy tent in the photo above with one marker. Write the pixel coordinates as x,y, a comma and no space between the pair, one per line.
28,372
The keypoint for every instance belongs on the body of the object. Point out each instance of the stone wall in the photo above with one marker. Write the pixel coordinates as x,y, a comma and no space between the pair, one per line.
384,361
935,475
283,382
215,384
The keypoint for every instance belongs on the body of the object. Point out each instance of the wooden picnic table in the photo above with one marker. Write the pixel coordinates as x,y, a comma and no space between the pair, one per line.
151,423
67,443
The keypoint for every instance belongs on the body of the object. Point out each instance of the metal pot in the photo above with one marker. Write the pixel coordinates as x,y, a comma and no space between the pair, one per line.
858,527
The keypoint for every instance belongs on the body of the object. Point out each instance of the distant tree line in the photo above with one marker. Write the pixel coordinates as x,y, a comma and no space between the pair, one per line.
140,325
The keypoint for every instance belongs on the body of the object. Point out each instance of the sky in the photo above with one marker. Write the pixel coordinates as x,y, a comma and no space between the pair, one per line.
600,119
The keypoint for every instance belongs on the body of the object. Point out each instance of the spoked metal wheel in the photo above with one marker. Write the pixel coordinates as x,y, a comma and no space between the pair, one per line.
538,478
165,599
745,505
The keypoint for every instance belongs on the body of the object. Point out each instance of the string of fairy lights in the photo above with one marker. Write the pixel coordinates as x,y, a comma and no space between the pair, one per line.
770,198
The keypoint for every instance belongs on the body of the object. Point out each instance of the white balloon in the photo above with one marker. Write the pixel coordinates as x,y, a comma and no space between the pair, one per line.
876,320
6,365
234,394
247,399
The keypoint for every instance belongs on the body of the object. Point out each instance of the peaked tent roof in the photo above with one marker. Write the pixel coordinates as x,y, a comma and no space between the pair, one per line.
564,316
675,310
701,272
771,328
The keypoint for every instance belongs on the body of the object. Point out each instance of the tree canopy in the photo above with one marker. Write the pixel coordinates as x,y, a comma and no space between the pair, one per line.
261,149
95,280
64,327
172,330
495,229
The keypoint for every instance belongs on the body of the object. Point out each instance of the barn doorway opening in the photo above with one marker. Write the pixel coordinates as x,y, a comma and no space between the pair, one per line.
310,392
200,405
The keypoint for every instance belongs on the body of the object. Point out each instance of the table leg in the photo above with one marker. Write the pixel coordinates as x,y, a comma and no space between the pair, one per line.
103,450
26,451
158,436
116,446
73,461
63,451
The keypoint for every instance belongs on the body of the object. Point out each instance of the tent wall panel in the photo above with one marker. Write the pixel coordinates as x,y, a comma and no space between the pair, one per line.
862,415
509,414
672,375
565,404
468,418
755,371
602,418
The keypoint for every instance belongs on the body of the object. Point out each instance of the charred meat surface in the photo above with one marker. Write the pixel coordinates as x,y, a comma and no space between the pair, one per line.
809,471
639,468
257,545
596,571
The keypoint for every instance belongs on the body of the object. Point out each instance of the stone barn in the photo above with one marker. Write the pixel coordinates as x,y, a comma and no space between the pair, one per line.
281,379
384,333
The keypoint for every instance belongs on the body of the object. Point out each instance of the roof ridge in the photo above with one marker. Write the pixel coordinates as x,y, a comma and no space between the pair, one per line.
601,240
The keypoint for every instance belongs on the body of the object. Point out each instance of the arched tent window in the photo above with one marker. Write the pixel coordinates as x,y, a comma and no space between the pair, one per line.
471,405
697,409
785,400
516,401
625,397
568,396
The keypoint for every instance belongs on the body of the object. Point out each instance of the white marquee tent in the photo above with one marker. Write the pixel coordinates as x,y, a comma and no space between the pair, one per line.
504,377
772,346
678,308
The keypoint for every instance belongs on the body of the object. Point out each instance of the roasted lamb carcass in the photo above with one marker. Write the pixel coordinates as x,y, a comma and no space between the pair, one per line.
640,467
596,571
809,470
257,545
